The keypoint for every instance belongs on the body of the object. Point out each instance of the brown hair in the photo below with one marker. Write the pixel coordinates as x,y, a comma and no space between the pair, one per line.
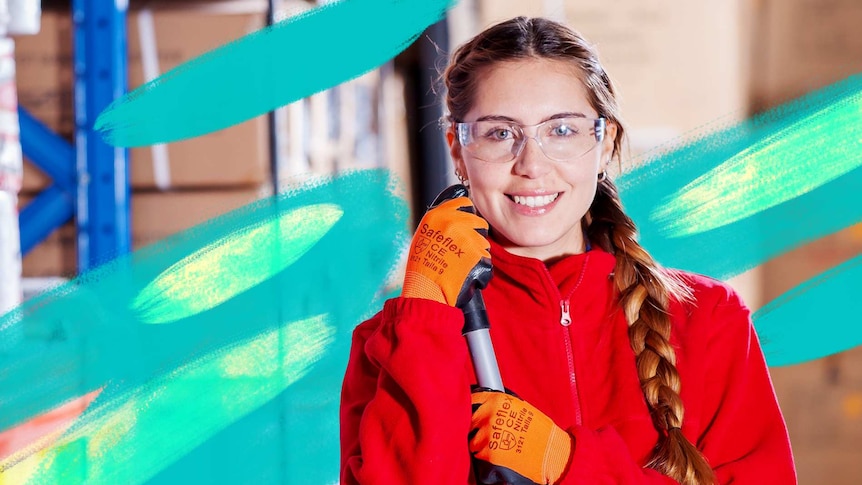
646,289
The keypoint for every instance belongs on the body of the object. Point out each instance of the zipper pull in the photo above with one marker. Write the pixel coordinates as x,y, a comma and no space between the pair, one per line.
565,318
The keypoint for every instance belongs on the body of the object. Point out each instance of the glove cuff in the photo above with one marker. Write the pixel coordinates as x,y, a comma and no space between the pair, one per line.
417,285
558,454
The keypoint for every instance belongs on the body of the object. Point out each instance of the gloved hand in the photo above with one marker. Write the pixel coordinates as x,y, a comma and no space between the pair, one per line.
513,442
450,253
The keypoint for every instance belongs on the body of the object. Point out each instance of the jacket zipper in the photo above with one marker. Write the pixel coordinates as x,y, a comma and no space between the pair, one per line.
565,322
565,317
571,358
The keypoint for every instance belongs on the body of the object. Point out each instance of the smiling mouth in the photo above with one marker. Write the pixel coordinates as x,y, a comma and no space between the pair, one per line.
533,201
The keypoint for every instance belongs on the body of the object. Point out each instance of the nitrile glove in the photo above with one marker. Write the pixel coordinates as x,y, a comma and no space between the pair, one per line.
513,442
449,254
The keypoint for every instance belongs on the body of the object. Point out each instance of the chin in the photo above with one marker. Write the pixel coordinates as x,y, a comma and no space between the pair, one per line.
527,239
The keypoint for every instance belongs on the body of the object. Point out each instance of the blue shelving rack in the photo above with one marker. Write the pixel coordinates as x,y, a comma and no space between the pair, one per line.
90,178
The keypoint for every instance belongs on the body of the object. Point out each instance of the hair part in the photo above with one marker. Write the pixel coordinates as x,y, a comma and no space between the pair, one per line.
646,289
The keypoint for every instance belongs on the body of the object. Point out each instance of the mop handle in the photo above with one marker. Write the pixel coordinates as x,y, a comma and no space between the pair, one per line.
476,328
476,320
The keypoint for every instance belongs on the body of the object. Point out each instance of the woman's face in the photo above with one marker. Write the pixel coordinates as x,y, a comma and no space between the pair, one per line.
529,92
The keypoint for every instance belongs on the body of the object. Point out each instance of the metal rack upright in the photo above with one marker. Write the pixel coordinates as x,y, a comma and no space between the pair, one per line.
91,178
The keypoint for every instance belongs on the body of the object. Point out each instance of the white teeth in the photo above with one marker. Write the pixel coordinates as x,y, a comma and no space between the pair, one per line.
531,201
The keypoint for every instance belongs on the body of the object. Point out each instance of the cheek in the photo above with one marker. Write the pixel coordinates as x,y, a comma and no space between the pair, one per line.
482,193
595,164
485,177
583,176
583,185
486,184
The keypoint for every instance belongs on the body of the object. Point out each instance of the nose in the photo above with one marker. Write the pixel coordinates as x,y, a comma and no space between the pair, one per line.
531,161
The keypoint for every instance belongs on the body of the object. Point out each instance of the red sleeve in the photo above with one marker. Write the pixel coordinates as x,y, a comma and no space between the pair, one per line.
405,403
743,437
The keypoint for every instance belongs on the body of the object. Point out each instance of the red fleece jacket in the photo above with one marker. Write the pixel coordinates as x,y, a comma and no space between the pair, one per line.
405,410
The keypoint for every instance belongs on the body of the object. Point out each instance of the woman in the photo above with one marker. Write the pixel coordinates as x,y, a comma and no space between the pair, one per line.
622,371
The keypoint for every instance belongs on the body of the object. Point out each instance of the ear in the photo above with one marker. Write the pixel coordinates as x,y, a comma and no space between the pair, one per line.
608,145
455,150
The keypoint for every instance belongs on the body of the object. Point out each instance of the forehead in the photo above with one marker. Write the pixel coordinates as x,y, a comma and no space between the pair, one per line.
529,91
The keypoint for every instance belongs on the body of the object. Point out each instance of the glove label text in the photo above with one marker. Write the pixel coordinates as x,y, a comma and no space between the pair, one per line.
443,244
509,427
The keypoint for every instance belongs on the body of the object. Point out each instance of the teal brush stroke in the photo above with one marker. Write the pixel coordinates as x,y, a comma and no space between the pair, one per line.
220,270
814,319
741,244
83,335
267,69
135,435
775,169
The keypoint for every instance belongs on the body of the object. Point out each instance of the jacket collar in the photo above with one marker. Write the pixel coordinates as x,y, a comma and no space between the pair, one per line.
590,270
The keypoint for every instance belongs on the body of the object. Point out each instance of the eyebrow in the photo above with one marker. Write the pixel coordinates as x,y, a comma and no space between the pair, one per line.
568,114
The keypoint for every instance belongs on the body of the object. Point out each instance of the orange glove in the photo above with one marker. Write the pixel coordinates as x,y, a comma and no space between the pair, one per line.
449,255
513,442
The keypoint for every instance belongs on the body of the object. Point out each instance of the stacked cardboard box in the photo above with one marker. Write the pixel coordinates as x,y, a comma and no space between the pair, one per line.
804,45
359,124
175,185
160,39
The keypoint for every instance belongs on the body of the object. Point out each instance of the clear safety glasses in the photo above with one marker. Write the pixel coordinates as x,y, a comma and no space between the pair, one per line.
561,139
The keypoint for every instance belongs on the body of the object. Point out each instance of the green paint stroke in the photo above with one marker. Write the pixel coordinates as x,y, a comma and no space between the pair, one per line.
267,69
777,168
735,197
233,264
813,320
134,435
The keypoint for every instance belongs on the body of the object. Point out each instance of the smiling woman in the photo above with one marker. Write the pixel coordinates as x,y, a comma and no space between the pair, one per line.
624,371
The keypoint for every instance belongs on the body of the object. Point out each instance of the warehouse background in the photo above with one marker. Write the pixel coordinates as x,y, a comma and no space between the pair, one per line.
681,68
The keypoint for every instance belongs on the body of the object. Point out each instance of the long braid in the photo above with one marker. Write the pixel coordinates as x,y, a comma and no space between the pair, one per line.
645,293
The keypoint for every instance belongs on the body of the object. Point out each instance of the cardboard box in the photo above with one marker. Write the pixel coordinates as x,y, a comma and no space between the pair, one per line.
493,11
822,399
822,406
803,45
33,179
677,66
45,72
156,216
793,268
57,255
164,37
